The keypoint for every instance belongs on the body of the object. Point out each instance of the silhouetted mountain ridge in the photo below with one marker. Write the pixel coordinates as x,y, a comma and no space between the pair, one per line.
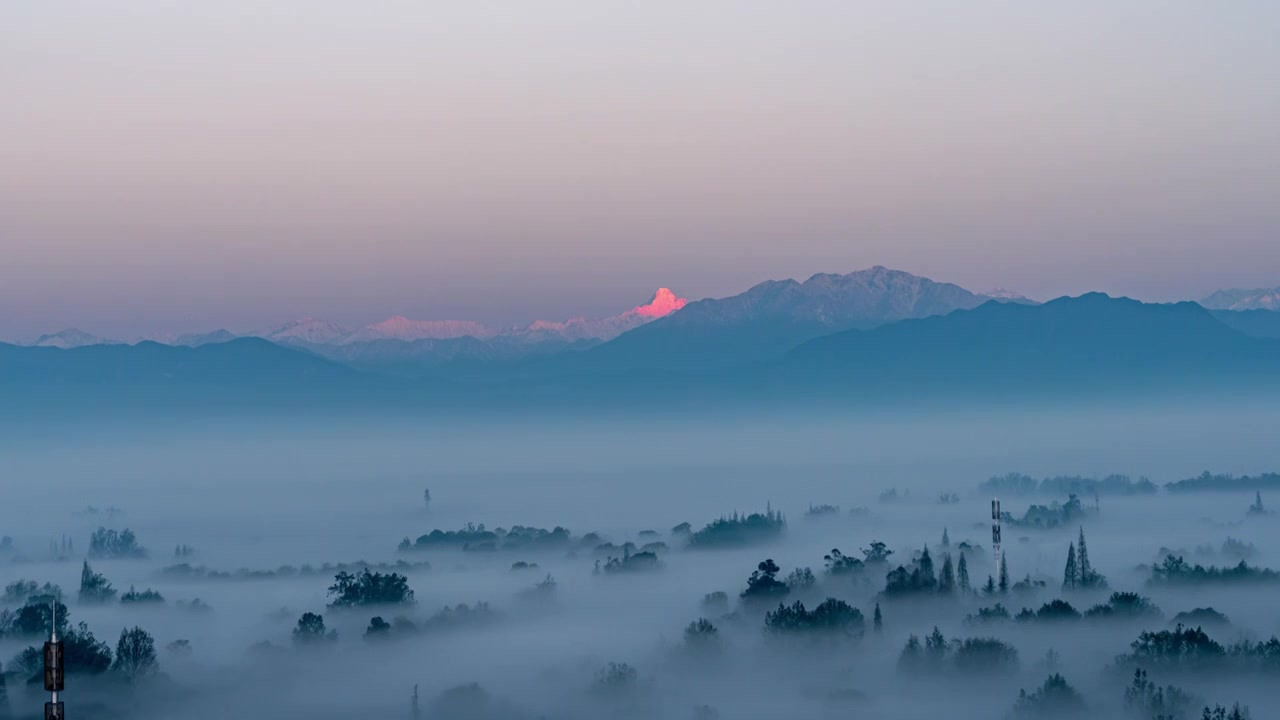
774,316
1069,343
243,372
1088,346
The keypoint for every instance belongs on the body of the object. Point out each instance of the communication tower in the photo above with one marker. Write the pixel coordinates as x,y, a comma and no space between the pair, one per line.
995,530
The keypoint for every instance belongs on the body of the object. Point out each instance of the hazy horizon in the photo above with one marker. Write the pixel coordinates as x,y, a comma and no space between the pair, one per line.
173,330
242,163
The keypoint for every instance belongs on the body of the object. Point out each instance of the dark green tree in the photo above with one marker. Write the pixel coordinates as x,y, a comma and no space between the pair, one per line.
1220,713
20,592
947,577
1004,575
832,616
1146,699
962,574
84,655
764,584
135,654
369,588
1054,699
838,563
1057,610
984,656
94,587
801,579
1070,574
1089,578
878,552
378,628
1125,605
106,543
876,620
924,566
146,596
701,636
912,657
1256,508
311,631
935,647
616,680
1189,648
35,619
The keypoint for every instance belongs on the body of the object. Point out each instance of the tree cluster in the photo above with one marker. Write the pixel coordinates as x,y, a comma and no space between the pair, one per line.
967,656
738,530
831,617
369,588
106,543
1177,571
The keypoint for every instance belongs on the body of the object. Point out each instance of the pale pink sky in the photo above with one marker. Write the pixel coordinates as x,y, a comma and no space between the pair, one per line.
186,166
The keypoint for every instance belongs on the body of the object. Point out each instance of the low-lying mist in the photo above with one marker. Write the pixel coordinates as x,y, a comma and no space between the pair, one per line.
565,583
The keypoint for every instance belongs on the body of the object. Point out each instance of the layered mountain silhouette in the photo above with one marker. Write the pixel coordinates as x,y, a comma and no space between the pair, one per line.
873,336
71,338
240,373
414,348
1069,344
197,339
772,317
1238,299
310,332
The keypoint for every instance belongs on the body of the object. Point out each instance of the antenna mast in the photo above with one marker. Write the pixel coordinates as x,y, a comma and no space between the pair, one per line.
53,669
995,530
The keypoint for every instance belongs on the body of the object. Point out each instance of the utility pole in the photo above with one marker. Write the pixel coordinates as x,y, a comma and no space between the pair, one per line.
54,674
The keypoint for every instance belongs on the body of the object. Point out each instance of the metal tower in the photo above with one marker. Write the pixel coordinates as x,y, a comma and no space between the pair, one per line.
995,530
53,670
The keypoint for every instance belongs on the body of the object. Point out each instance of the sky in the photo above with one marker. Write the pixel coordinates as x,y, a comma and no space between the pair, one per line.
171,166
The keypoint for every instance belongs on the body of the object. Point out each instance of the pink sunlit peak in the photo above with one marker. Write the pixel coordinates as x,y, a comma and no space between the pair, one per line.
664,303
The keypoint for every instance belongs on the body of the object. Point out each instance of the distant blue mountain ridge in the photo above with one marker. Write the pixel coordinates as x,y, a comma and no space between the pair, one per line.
874,336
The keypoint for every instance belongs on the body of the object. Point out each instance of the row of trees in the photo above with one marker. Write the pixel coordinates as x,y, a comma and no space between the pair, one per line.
969,655
1177,571
1142,699
1114,484
1119,606
104,543
134,657
921,578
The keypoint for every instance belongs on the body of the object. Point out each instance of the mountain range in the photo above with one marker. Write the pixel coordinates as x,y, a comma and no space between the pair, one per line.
1087,342
774,316
873,335
1237,299
311,332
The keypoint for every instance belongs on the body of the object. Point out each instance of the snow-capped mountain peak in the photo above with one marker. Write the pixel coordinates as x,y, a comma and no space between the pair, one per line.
664,303
306,330
70,338
1237,299
1008,295
399,327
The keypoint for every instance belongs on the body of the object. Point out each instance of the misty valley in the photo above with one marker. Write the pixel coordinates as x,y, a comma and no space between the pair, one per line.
590,360
682,567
